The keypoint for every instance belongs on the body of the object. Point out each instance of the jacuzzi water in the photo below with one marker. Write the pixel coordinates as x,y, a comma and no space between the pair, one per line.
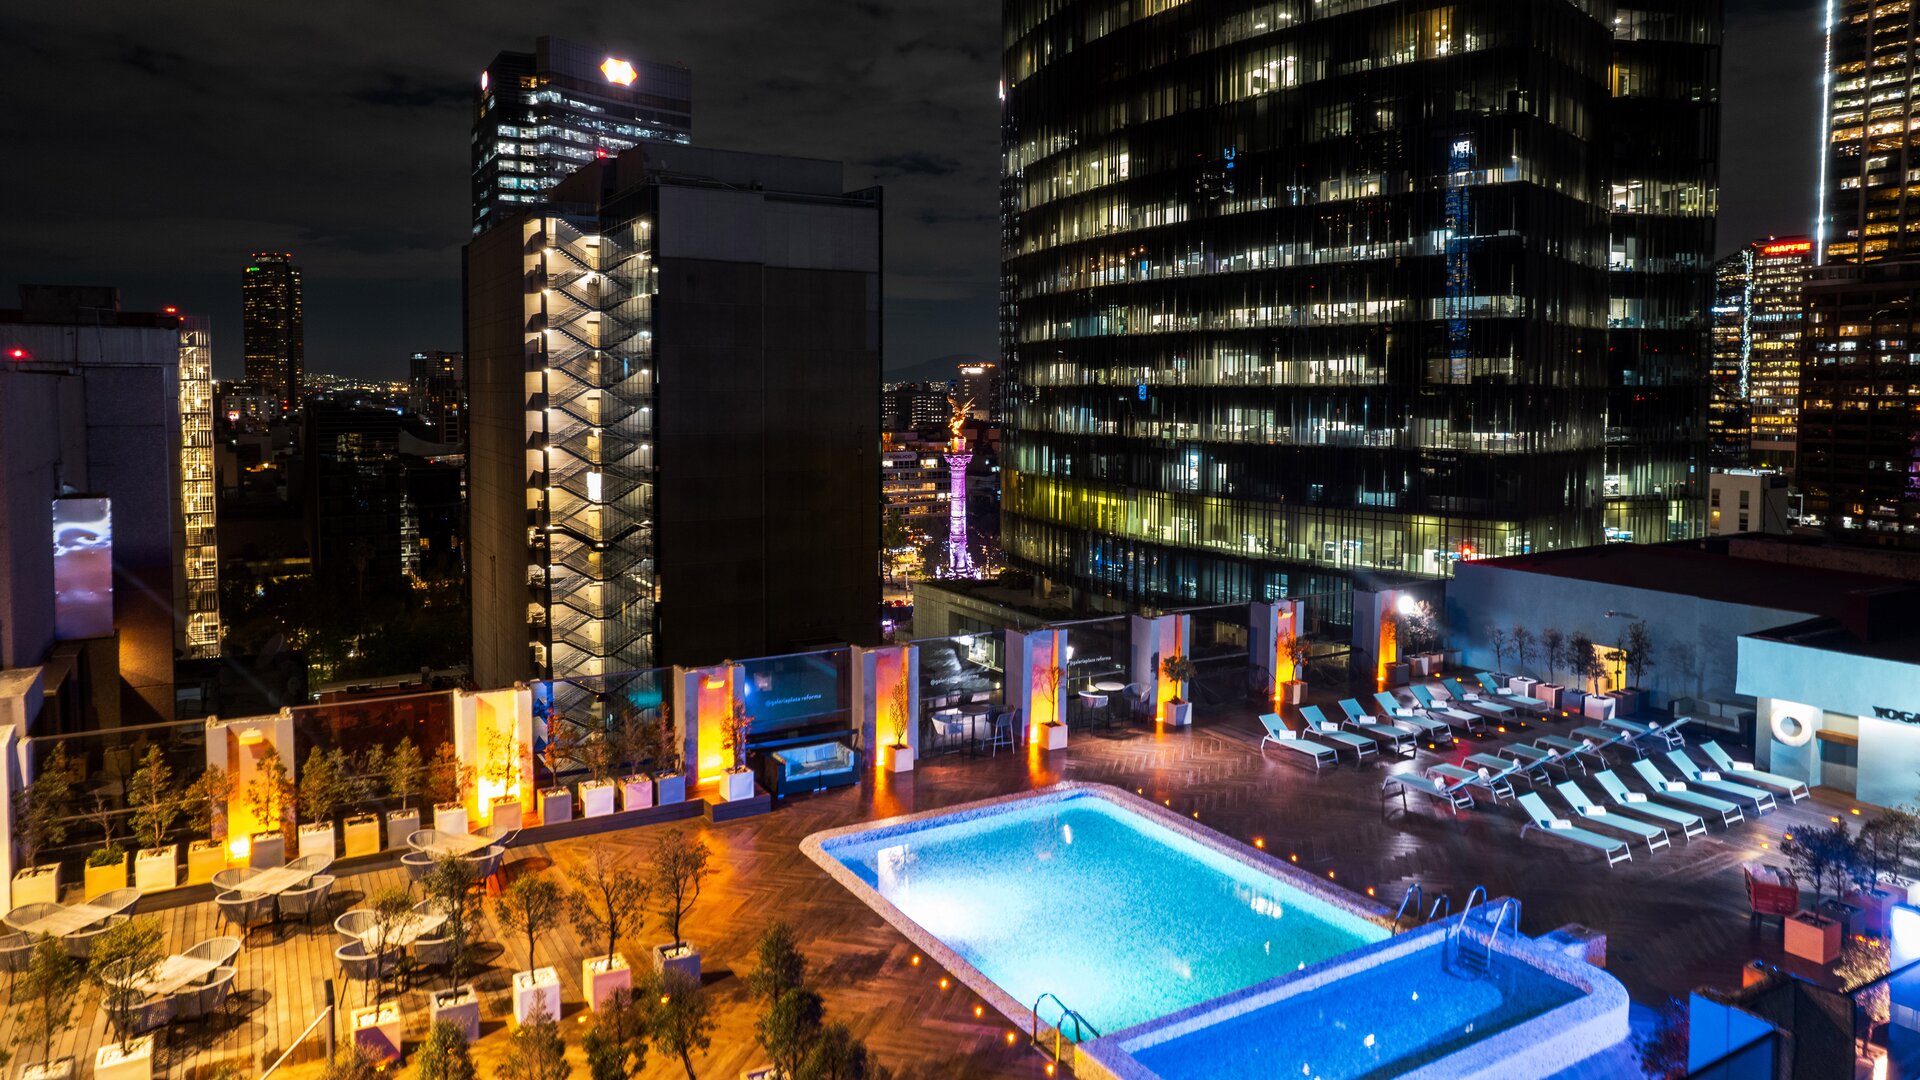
1120,916
1379,1021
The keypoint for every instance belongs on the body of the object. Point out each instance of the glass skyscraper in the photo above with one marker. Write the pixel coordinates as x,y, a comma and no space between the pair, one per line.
273,324
1294,290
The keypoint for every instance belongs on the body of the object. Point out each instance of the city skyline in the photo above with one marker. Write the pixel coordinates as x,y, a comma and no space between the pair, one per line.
916,114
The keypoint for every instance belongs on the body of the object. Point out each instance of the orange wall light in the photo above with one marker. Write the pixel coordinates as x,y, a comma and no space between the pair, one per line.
714,703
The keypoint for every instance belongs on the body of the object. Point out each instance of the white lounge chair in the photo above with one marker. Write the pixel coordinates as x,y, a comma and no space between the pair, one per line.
1463,698
1433,730
1329,732
1523,702
1440,710
1494,784
1691,824
1655,836
1279,734
1454,794
1613,850
1402,738
1667,734
1572,748
1674,791
1497,774
1599,738
1538,759
1761,798
1795,790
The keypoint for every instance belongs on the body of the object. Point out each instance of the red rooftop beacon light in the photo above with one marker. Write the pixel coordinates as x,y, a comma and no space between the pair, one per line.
17,353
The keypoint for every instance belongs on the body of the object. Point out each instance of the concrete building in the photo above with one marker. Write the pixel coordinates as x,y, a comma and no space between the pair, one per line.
439,393
1748,500
980,385
674,379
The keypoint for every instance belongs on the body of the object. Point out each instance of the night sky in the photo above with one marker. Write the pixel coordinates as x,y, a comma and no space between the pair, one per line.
154,146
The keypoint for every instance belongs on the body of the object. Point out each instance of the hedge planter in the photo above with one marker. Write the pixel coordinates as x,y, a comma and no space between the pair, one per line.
556,805
636,792
205,858
678,956
378,1031
132,1060
668,790
506,812
106,878
317,839
600,976
37,885
449,817
736,786
363,835
400,825
267,850
459,1006
157,869
596,798
540,987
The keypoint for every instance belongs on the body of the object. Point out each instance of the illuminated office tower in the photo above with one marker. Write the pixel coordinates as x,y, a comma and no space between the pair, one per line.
1870,154
1757,317
540,115
1331,288
197,584
1729,428
274,327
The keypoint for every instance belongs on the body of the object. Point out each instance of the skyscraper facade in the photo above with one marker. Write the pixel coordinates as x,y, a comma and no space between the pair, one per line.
540,115
274,327
1331,288
437,381
1757,321
1729,428
1869,156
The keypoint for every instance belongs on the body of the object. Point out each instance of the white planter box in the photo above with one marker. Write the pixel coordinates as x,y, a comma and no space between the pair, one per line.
600,976
668,790
735,786
1549,693
205,858
899,759
378,1030
267,850
1053,736
1293,692
157,869
37,885
679,956
105,878
459,1006
449,817
636,792
556,805
1522,686
596,798
1599,708
1179,713
57,1069
506,812
317,839
539,987
125,1061
400,825
363,835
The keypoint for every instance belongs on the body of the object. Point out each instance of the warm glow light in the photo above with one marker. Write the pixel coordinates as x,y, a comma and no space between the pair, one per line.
915,961
1009,1038
617,71
251,736
240,847
945,982
978,1012
1259,843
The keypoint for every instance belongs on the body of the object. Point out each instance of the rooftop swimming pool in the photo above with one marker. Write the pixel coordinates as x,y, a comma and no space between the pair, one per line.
1125,912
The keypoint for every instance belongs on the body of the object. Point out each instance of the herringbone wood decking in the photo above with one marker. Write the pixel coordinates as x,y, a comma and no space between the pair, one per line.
1674,921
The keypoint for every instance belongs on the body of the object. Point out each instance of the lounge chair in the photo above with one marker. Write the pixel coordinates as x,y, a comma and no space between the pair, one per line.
1761,798
1523,702
1655,836
1431,729
1439,710
1329,732
1571,748
1674,791
1454,793
1795,790
1614,850
1494,785
1667,734
1497,774
1691,824
1538,759
1599,738
1279,734
1473,701
1402,738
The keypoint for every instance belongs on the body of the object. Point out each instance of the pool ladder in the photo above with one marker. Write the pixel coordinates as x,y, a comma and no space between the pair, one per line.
1442,907
1481,962
1080,1026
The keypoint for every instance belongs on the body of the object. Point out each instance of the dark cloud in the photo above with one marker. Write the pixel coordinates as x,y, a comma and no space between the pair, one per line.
401,92
915,163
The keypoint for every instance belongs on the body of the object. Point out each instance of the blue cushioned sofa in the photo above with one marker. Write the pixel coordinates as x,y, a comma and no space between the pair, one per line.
811,767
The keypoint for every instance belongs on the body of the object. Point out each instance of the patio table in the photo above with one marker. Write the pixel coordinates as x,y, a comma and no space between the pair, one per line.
175,972
67,920
275,881
1108,686
445,843
404,931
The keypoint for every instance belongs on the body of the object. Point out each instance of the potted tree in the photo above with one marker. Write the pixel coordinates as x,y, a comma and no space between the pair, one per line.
1553,649
606,896
362,777
900,722
668,766
633,741
1053,730
556,799
1822,857
1883,846
122,957
679,865
206,806
448,780
1637,644
597,791
155,806
107,864
268,795
529,906
1499,642
737,728
1180,669
40,812
321,789
1299,653
1582,665
46,990
499,768
451,887
1525,651
405,773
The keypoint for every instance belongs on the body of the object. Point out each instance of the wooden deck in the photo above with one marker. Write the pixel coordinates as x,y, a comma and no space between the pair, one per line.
1674,921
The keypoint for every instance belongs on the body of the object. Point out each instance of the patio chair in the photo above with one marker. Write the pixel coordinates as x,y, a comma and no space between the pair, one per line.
501,836
417,864
197,1003
220,950
1794,790
1615,851
1433,730
430,954
316,898
1523,702
1401,738
1655,836
1440,710
245,912
353,925
1279,734
1002,732
27,913
1691,824
1474,701
1327,731
16,951
1761,798
150,1015
1452,791
80,943
117,901
228,880
1676,792
423,838
311,864
357,962
486,862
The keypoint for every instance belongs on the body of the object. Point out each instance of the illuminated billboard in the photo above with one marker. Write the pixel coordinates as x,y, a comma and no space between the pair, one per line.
82,567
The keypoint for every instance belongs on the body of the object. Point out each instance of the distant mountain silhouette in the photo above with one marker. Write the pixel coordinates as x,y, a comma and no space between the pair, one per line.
928,370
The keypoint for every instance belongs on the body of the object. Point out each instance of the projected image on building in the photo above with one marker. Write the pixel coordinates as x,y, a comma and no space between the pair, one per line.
82,567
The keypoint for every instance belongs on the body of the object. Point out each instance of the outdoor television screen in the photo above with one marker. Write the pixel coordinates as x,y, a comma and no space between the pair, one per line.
82,567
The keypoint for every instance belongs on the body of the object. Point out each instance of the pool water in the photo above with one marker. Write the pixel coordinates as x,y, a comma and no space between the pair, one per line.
1120,916
1377,1022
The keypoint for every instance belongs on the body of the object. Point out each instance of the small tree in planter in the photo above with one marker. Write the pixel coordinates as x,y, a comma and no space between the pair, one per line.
778,963
205,803
1822,857
392,906
403,771
1638,645
325,785
450,885
40,808
448,781
736,731
270,794
665,759
107,864
682,1019
47,989
1525,649
1883,846
616,1046
1499,642
788,1026
607,896
680,864
1299,654
529,907
1583,663
156,805
900,722
123,956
